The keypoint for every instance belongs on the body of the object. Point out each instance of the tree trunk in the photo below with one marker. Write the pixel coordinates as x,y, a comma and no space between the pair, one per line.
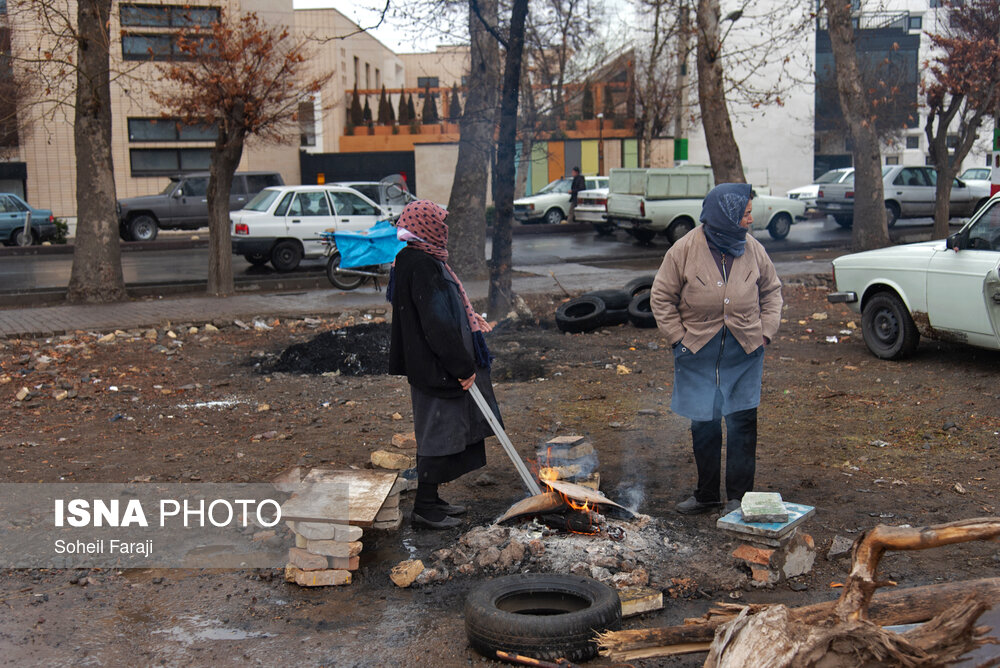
727,166
501,292
467,203
870,229
97,268
225,159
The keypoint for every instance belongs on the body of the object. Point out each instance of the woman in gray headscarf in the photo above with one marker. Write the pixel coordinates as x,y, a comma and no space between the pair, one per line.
717,300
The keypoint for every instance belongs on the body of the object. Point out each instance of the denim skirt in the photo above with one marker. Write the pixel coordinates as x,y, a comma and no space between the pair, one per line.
719,379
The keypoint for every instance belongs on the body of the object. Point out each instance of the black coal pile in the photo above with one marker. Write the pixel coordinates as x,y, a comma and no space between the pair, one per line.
361,350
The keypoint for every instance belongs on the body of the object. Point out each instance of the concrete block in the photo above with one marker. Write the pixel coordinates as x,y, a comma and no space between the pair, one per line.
343,533
389,514
306,561
396,461
333,548
324,578
773,565
344,563
405,572
763,507
637,600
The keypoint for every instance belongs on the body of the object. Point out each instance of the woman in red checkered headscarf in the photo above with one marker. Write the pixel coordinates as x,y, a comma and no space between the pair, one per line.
438,343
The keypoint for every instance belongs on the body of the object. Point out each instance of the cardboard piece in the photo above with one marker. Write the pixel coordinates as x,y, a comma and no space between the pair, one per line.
340,497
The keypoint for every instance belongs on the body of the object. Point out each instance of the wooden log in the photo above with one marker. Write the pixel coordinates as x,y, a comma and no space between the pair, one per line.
887,608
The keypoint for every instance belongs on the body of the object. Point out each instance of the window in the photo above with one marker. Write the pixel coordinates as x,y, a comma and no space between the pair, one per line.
257,182
911,176
195,187
916,23
378,78
159,161
3,6
952,141
168,129
349,204
892,160
985,234
264,199
913,141
310,204
143,46
427,82
168,16
283,205
357,65
368,75
307,124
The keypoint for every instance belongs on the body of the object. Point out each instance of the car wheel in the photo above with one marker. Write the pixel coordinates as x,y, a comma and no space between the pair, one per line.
604,229
286,255
341,281
643,236
546,616
256,259
887,327
553,216
22,239
891,213
641,284
640,312
844,221
143,228
780,226
582,314
678,229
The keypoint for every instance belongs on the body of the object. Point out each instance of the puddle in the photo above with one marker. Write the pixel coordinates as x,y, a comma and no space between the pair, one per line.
198,628
228,402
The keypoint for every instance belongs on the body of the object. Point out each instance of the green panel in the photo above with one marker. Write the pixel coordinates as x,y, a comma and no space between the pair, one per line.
539,165
630,153
681,148
588,156
996,139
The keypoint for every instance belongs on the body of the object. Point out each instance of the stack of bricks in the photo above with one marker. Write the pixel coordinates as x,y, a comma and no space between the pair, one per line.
771,545
389,516
570,458
324,553
399,456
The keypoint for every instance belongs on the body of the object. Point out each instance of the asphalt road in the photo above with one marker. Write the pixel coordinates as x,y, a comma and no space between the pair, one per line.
184,263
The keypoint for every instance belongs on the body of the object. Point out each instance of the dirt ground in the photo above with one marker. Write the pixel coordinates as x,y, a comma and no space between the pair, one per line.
865,441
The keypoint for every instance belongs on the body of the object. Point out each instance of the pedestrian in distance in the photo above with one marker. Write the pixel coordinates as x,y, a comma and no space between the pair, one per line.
438,343
576,185
717,300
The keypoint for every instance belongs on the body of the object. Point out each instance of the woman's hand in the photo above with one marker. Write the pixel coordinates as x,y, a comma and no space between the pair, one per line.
466,383
483,325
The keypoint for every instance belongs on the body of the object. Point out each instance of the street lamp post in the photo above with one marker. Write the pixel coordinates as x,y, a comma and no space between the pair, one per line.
600,144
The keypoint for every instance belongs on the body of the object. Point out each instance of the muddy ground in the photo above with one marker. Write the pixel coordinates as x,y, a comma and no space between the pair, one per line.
865,441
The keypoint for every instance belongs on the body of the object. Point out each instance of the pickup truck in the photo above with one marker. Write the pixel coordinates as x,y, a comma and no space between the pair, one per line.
909,193
667,201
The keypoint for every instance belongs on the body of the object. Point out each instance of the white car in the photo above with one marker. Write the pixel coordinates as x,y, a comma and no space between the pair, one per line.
807,194
392,198
283,225
550,205
945,289
591,206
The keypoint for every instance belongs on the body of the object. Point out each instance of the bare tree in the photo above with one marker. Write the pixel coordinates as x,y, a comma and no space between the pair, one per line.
965,88
247,79
727,166
467,203
664,24
869,229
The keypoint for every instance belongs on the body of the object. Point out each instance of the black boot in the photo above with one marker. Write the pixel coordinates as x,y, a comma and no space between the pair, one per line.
427,514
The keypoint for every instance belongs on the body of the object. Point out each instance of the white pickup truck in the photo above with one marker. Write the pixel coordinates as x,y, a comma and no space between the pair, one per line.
667,201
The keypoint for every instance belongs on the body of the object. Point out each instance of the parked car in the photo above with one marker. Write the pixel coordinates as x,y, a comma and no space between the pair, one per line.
550,205
910,192
807,194
283,225
591,207
390,197
13,211
947,290
183,204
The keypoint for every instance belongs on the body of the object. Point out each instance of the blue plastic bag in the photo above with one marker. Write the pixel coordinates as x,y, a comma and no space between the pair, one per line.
376,245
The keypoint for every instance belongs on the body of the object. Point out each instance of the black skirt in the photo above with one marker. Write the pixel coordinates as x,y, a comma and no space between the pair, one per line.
445,468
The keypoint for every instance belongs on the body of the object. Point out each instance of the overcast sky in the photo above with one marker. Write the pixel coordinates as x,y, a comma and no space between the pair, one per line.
394,31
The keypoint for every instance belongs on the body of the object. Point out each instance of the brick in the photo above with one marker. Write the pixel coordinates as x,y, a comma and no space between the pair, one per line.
388,514
324,578
405,441
637,600
405,572
344,563
397,461
333,548
344,533
754,554
306,561
391,501
392,525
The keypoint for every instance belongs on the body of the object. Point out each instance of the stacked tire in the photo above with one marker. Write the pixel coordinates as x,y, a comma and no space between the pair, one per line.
602,308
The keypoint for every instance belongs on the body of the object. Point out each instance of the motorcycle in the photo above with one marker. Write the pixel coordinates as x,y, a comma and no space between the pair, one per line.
355,257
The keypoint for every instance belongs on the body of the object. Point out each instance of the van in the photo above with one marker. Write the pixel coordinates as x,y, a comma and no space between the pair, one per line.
183,204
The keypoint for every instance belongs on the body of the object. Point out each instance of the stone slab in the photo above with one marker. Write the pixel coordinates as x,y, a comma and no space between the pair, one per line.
325,578
340,497
637,600
565,441
734,522
763,508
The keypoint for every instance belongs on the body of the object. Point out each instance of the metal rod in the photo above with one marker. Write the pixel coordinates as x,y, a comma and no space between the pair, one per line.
522,470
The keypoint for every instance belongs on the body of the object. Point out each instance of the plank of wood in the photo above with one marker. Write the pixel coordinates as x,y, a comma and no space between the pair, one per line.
340,497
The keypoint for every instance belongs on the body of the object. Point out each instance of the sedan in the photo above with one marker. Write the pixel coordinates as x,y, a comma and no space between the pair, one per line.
807,194
947,290
591,207
13,211
550,205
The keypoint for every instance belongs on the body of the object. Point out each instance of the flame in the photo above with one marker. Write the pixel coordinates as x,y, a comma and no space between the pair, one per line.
548,473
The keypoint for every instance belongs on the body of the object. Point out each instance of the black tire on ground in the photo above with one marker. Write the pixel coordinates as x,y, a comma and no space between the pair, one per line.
124,233
844,220
143,228
605,229
256,259
553,216
614,300
341,281
637,285
21,239
780,226
286,255
582,314
541,615
678,229
643,236
891,213
615,317
640,313
888,328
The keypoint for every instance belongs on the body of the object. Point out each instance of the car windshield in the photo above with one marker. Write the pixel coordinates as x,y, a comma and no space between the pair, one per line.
976,173
170,187
262,201
849,181
832,176
560,186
